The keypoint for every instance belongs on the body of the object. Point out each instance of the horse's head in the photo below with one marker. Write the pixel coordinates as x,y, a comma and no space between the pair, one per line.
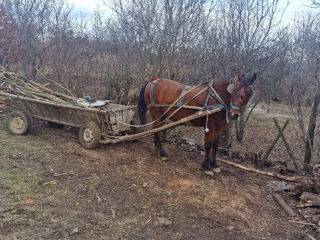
241,90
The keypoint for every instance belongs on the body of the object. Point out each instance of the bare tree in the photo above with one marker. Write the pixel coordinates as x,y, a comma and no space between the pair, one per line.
305,79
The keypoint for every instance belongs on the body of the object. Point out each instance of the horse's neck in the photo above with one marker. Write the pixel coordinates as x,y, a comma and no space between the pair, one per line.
220,86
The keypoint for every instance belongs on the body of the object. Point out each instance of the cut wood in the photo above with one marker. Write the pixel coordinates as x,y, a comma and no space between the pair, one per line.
20,85
309,199
284,205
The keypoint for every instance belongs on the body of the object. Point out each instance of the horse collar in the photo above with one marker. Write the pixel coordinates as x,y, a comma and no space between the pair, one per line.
213,93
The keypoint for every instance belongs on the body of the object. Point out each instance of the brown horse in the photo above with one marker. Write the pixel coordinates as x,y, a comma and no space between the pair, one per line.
167,99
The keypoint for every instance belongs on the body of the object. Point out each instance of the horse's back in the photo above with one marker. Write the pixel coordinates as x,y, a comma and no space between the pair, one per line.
164,91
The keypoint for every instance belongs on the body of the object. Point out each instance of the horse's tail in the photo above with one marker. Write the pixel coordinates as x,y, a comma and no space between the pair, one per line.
142,106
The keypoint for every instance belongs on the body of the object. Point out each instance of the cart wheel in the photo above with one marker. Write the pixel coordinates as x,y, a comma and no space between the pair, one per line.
90,135
55,125
18,123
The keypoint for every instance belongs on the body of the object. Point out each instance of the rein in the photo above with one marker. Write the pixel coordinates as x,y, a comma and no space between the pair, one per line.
212,93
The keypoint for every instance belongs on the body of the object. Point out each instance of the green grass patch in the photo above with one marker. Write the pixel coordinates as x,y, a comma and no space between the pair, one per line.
18,155
21,146
20,183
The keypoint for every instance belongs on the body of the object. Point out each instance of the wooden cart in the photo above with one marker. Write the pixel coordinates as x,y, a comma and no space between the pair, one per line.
109,125
95,124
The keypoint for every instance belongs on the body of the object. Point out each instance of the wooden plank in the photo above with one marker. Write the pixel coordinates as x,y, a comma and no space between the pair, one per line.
284,205
159,129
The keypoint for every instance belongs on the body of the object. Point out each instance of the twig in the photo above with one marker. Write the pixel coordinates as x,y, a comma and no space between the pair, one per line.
18,84
63,174
312,238
249,169
303,223
64,88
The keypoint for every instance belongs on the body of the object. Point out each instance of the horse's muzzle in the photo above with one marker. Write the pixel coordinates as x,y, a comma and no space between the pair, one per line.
233,116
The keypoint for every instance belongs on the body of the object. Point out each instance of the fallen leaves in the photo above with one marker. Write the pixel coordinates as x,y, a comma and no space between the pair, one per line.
164,221
52,182
27,202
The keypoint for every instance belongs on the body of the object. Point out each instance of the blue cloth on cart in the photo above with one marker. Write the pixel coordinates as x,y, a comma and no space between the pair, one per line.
89,99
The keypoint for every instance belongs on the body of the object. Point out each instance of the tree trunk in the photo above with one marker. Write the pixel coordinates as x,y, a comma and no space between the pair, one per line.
240,126
311,129
225,140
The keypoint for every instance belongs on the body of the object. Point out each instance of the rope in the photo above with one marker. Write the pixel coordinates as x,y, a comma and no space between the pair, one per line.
128,124
207,129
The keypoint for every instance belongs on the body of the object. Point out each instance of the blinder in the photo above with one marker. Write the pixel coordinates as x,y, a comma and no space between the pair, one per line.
230,88
248,91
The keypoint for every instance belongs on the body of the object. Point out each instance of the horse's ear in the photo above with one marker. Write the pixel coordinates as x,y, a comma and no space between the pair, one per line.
239,75
253,78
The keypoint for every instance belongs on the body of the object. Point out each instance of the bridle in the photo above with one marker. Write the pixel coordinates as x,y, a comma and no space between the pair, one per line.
231,89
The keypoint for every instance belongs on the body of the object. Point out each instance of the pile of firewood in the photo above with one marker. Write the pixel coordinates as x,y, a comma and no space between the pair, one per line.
21,86
2,102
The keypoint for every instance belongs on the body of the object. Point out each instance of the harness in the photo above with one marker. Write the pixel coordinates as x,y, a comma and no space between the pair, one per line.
179,104
179,101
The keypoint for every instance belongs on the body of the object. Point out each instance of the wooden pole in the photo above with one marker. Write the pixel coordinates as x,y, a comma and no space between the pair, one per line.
286,145
265,158
164,127
249,169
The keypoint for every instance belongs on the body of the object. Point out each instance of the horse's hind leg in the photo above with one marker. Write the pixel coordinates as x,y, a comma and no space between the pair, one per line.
206,163
157,136
159,147
213,161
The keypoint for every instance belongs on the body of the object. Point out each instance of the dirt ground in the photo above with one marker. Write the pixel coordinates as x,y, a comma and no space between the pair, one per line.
52,188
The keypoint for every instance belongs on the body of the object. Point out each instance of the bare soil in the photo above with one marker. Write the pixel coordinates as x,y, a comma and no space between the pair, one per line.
52,188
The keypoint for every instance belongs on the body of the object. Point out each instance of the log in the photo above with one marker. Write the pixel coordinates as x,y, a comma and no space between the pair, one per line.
249,169
310,199
284,205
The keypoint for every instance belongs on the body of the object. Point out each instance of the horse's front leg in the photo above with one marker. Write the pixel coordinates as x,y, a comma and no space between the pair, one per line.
213,160
210,165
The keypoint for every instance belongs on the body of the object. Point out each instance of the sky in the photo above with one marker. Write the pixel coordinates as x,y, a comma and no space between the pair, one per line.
87,7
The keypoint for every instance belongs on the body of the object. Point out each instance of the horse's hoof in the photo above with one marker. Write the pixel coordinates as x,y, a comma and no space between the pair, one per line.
164,158
209,172
216,170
